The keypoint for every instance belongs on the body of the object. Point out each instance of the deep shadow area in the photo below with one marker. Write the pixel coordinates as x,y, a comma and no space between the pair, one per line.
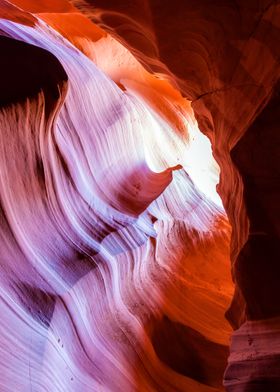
25,70
257,157
188,352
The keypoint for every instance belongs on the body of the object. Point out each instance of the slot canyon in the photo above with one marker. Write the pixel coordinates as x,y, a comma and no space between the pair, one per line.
140,196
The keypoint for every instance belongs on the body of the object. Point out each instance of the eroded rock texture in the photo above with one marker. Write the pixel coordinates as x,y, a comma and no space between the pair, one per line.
118,120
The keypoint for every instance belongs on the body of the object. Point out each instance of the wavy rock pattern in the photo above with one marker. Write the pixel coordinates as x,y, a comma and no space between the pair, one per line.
224,56
115,271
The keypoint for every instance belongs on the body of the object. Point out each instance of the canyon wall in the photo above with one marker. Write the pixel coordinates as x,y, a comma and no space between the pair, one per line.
139,185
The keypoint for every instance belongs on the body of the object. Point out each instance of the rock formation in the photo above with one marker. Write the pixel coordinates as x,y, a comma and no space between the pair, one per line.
139,188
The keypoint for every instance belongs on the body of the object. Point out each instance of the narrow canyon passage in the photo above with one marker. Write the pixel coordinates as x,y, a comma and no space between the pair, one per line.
139,196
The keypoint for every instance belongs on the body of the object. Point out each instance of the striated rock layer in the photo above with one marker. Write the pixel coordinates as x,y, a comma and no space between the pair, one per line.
224,56
115,246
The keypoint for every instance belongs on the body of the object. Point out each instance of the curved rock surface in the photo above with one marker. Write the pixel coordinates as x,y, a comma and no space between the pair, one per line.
115,246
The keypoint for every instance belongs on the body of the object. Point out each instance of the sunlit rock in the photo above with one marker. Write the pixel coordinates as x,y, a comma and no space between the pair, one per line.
119,122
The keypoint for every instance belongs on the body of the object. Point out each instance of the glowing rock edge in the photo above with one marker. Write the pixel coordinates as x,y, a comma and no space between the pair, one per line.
122,267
